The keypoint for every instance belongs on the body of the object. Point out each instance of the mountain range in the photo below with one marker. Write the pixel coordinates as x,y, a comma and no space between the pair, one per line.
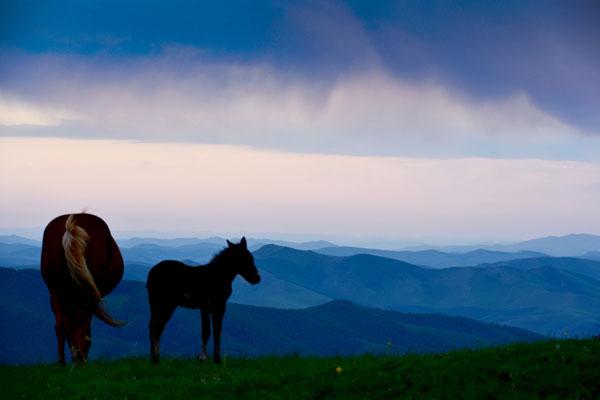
337,327
547,295
573,245
434,258
550,295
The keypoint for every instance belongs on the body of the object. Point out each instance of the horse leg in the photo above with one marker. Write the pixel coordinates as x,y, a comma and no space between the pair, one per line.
217,321
158,320
205,317
59,328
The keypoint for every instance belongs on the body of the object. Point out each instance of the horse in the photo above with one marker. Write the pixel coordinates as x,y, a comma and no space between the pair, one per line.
206,287
80,264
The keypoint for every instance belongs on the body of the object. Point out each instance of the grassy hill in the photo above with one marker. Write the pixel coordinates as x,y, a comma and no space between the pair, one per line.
554,369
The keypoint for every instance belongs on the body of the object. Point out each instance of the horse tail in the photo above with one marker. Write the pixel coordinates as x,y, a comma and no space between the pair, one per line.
101,313
74,241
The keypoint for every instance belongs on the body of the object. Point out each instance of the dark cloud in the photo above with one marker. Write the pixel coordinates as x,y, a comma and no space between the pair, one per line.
547,49
486,49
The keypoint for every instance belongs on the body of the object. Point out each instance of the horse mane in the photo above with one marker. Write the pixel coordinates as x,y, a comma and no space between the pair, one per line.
219,257
74,241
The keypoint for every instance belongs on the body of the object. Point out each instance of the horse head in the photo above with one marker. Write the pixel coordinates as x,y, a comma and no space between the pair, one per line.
79,333
243,261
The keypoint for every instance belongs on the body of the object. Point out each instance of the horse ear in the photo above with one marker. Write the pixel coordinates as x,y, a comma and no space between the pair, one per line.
244,243
229,244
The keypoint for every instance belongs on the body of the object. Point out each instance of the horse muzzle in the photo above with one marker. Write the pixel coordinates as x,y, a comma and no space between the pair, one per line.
253,279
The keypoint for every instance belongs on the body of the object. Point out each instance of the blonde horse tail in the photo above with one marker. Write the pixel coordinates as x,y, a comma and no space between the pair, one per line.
74,241
101,313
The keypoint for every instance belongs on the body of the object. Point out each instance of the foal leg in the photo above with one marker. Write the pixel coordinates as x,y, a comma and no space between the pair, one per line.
158,320
205,317
217,321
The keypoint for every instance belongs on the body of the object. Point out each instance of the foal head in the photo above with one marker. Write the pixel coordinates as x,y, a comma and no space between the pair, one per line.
240,261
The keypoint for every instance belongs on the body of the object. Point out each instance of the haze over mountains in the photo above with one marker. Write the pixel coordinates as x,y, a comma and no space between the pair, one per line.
434,258
574,245
17,251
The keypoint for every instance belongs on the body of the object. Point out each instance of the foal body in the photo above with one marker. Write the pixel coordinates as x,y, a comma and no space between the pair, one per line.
171,284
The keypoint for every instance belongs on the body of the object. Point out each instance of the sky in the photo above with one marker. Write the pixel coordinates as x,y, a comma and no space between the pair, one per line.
420,121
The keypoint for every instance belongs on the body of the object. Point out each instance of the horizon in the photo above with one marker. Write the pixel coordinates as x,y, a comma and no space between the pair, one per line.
389,243
388,120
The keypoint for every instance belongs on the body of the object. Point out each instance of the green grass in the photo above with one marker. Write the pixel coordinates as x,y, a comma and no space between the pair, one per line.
553,369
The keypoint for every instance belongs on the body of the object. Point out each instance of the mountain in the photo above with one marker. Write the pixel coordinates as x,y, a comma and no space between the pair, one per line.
14,239
141,256
548,300
592,255
433,258
581,266
310,245
219,242
574,245
562,246
151,254
19,255
175,242
548,295
337,327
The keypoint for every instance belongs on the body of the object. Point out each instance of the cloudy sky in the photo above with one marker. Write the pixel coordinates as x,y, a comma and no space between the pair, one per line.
433,120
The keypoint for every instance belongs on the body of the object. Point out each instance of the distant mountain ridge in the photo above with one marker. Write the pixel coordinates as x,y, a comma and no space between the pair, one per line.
19,255
15,239
220,242
434,258
582,266
592,255
573,245
337,327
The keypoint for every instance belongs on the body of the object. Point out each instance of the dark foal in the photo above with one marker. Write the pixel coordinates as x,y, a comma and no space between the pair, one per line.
207,287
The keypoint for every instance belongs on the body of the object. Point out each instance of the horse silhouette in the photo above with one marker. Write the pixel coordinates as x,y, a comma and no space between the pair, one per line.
206,287
80,264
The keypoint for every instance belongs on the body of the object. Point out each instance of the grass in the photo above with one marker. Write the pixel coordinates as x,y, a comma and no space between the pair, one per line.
553,369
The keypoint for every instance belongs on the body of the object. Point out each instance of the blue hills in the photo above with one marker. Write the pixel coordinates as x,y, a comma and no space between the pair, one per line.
556,296
434,258
336,327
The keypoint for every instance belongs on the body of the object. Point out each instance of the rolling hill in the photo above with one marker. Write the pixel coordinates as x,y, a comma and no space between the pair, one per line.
337,327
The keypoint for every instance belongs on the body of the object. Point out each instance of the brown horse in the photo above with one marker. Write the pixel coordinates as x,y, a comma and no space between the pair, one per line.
207,287
80,264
